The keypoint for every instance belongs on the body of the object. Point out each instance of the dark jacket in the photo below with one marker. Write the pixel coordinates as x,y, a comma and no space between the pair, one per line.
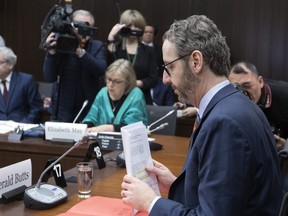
145,66
24,103
232,166
274,103
79,80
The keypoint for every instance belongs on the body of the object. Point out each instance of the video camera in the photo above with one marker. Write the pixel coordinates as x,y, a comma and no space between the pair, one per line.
69,35
126,32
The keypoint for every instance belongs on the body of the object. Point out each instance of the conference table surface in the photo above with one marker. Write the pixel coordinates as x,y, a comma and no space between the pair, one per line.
107,181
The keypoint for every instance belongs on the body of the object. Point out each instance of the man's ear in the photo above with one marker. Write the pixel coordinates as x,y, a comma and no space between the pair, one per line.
261,81
196,61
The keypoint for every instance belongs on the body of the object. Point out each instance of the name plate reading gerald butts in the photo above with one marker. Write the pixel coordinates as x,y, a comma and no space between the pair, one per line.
111,141
15,175
63,130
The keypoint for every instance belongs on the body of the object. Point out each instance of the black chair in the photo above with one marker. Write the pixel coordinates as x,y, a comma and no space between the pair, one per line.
44,89
155,113
283,156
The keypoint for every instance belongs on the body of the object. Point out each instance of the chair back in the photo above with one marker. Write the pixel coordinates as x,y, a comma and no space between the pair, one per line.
157,112
44,89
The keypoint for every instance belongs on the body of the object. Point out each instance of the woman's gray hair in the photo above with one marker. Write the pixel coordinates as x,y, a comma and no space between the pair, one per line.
198,32
126,70
9,55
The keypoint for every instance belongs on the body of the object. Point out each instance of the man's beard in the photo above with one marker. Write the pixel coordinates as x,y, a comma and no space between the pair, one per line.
187,86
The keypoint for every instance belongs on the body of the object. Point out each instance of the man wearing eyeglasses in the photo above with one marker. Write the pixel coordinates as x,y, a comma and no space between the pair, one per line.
232,166
20,100
75,75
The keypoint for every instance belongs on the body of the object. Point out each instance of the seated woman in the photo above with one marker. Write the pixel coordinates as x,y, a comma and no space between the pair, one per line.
119,103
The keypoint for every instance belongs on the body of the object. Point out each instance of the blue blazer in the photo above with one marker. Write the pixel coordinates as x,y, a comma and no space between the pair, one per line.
232,166
24,103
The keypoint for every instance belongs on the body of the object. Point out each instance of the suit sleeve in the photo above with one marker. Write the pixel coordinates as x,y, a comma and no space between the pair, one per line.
222,176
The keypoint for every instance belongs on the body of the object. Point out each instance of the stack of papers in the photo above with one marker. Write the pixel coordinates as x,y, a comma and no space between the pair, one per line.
8,126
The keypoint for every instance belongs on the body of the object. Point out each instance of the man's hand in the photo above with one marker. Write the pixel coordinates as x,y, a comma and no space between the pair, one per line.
164,176
280,142
51,43
136,193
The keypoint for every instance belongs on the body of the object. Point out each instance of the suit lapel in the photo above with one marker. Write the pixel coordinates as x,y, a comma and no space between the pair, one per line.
224,92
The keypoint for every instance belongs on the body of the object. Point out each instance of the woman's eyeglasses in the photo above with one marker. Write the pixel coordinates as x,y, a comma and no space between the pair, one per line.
117,82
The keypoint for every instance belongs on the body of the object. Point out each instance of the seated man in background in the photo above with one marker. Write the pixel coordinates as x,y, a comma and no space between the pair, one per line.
270,95
20,100
119,103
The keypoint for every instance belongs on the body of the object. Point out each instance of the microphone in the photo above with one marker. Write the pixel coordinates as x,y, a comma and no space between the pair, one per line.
43,195
83,106
153,123
159,127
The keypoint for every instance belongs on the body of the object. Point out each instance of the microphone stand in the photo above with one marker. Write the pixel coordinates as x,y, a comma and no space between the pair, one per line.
45,196
83,106
149,126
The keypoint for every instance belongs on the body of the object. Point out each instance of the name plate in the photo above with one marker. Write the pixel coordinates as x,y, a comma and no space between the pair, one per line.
15,175
64,131
111,141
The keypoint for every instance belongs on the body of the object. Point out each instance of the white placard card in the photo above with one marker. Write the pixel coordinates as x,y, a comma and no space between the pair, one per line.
63,130
15,175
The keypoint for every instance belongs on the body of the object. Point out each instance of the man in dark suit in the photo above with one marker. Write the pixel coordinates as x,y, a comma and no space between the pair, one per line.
232,165
270,95
75,74
20,100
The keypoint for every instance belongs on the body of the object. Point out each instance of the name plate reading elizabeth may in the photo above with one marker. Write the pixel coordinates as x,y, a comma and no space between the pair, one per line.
62,130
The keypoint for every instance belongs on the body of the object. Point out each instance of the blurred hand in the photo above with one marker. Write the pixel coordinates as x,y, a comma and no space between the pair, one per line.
136,193
114,31
101,128
280,142
179,105
164,176
189,112
51,42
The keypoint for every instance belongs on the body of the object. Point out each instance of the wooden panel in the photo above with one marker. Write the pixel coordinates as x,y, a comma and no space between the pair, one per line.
256,30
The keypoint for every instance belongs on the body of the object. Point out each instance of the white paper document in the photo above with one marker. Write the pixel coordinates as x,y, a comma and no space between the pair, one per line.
137,153
8,126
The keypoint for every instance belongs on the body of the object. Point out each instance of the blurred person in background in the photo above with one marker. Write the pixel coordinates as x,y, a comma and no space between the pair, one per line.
128,46
20,100
75,75
118,104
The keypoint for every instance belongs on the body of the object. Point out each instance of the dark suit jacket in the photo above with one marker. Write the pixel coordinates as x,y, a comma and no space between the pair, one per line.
232,165
24,103
79,80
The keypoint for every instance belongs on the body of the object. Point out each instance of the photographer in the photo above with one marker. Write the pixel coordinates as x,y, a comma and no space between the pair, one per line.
270,95
142,57
75,75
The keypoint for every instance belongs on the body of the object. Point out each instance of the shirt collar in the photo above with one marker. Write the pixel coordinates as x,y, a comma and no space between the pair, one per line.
8,78
148,44
209,95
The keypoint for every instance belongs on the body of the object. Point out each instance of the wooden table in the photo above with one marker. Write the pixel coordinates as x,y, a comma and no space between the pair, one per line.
40,151
107,181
